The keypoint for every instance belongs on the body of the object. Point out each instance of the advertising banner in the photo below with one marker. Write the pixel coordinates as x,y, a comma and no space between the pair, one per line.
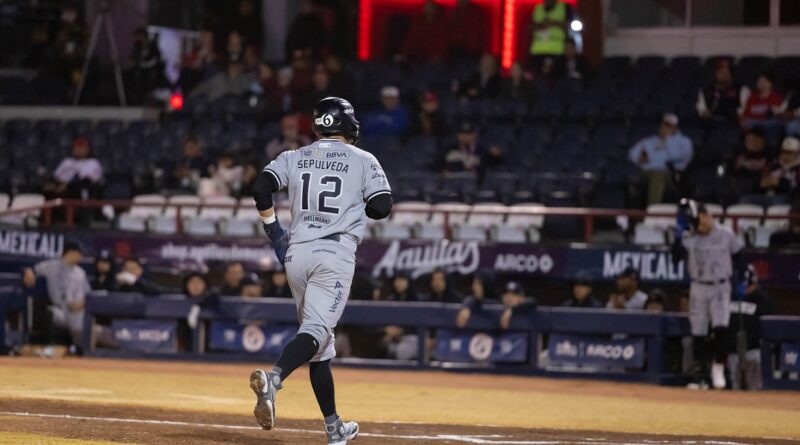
385,258
146,335
233,336
594,351
790,357
458,346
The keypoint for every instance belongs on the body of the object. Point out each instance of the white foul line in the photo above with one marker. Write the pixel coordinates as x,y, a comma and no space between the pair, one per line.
493,439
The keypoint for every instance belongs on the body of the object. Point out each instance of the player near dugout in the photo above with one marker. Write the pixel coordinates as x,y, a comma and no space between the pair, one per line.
332,186
713,259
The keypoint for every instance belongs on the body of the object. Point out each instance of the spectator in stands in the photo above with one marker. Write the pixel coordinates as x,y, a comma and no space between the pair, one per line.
792,112
196,289
234,48
660,155
320,86
234,81
248,24
518,85
289,139
789,238
763,106
232,279
656,301
67,287
227,175
782,176
481,287
751,303
722,99
441,290
427,36
278,285
468,155
751,162
251,286
282,96
402,288
429,120
191,166
550,21
515,303
146,67
307,31
627,296
340,82
69,45
391,119
130,279
197,65
467,30
103,271
79,175
484,83
582,293
574,66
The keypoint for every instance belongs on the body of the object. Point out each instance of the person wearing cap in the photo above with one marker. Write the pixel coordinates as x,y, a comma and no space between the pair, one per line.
429,120
582,296
783,175
278,286
468,154
196,289
251,286
722,99
67,287
481,286
131,279
80,174
391,119
660,155
515,303
751,304
750,163
103,271
628,296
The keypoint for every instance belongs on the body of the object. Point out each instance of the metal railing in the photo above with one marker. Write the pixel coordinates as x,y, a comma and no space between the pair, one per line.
587,215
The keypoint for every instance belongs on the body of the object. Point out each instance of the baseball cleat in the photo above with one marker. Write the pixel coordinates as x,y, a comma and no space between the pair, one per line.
718,375
262,384
340,432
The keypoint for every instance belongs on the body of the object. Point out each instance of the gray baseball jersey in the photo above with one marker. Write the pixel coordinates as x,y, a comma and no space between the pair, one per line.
329,183
709,256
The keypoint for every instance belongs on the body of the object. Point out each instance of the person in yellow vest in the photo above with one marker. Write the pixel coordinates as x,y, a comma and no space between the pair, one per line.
550,21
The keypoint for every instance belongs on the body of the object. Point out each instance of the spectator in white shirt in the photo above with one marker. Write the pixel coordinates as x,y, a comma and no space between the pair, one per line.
79,175
628,296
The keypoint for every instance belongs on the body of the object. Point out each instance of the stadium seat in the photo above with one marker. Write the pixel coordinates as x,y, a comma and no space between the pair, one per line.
218,213
199,226
131,223
4,200
247,210
405,215
760,235
152,210
651,231
164,224
238,227
434,229
743,224
191,210
520,228
20,201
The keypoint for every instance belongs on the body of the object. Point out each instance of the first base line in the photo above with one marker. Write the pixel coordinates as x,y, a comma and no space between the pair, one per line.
492,439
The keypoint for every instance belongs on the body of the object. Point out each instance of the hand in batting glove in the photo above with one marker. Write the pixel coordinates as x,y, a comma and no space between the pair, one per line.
279,239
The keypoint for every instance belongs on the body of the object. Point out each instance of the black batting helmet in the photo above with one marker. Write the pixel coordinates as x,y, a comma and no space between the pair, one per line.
691,210
334,116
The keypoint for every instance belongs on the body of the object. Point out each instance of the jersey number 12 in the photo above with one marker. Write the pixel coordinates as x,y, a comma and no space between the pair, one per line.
324,194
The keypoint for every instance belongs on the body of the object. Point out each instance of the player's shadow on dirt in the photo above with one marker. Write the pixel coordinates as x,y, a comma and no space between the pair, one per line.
212,437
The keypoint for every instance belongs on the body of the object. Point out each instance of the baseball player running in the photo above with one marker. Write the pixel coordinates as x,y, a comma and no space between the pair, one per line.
712,251
331,185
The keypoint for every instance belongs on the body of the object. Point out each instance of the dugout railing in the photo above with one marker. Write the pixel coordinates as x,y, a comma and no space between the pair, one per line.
656,330
587,216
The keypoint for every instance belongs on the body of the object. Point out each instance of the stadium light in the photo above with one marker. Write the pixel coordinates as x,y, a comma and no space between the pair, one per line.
176,101
576,25
509,34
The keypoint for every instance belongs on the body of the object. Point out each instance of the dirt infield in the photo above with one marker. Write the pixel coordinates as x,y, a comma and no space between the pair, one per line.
82,402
